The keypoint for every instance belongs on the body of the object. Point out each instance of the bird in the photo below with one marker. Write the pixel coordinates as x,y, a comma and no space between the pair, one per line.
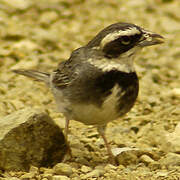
98,82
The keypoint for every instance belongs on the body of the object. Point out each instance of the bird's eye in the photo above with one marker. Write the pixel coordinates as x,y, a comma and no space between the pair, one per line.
125,40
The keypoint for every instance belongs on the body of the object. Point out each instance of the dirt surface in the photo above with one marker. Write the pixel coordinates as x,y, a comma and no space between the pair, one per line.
40,34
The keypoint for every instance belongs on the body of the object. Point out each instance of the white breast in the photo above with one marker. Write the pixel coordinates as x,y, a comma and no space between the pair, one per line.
93,115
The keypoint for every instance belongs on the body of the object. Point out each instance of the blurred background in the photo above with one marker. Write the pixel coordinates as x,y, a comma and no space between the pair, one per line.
40,34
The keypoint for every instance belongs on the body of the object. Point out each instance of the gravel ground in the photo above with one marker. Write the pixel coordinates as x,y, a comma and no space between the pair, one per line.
40,34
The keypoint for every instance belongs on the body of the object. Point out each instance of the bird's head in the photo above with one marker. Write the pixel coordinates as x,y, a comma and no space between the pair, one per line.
120,42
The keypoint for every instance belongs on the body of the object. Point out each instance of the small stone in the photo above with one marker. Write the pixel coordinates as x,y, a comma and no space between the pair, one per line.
152,135
27,176
161,174
11,178
47,170
94,174
127,158
146,159
93,134
171,141
86,169
47,176
176,92
99,143
121,167
170,159
62,169
25,44
126,155
58,177
34,170
41,34
117,151
48,17
154,166
110,167
81,160
19,4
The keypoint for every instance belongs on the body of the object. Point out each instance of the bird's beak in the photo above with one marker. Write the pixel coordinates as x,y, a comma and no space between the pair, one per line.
150,39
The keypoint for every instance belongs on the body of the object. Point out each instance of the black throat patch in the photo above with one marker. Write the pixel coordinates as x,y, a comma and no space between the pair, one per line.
127,83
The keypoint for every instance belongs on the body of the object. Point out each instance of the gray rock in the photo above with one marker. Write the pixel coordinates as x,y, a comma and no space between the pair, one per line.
28,137
62,169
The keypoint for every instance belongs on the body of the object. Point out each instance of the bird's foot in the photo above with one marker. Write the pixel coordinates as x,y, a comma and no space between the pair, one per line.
112,160
68,156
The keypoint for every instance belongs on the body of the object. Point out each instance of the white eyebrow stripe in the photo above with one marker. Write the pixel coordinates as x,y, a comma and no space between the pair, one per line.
112,36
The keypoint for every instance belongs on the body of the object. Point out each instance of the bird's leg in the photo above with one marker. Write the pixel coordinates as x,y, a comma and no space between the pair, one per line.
66,131
101,130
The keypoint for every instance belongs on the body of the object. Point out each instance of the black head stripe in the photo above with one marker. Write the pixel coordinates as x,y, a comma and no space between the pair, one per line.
120,45
112,28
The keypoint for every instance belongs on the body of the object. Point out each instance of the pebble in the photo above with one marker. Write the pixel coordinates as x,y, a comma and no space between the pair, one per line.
27,176
48,17
154,166
58,177
171,141
25,45
47,176
93,174
126,156
171,159
19,4
146,159
34,170
62,169
161,174
117,151
110,167
176,92
86,169
93,134
47,171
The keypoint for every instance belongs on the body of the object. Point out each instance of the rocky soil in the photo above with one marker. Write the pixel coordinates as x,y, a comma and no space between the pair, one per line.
40,34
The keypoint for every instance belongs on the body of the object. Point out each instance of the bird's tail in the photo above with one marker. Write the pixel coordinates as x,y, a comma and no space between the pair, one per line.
37,75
